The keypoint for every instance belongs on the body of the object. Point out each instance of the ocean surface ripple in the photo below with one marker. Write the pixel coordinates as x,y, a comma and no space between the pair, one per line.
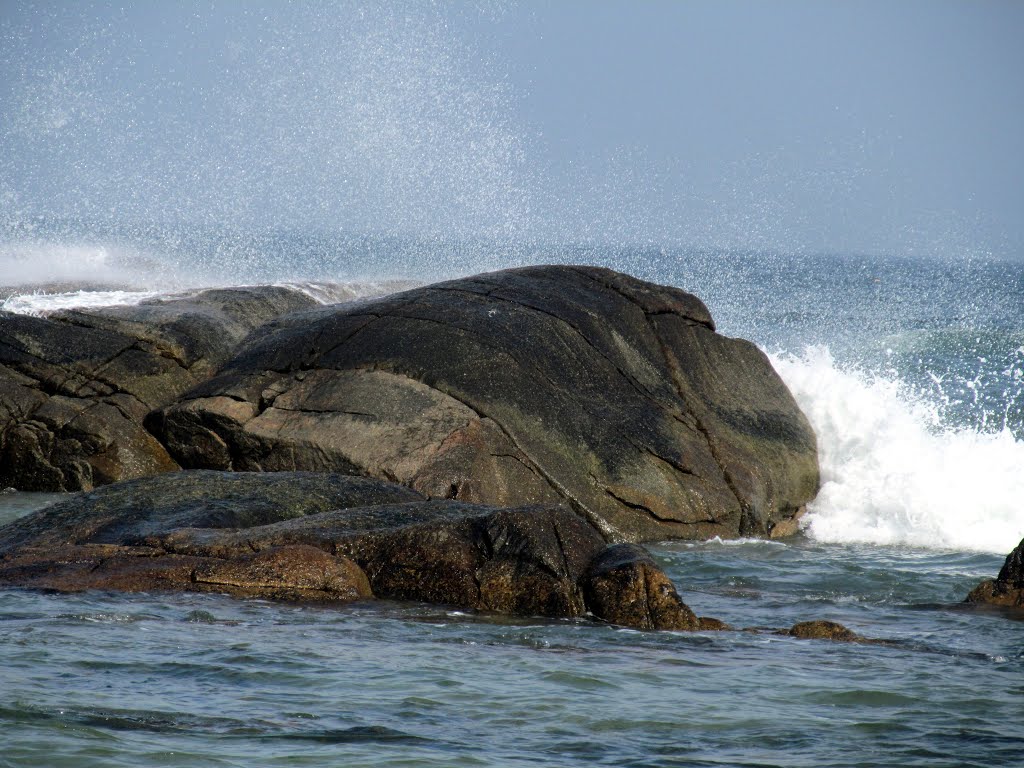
912,376
142,680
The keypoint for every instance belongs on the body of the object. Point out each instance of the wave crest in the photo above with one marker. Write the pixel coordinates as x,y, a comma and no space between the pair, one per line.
893,474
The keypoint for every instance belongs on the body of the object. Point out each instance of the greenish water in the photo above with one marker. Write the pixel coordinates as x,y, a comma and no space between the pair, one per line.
150,148
183,680
912,374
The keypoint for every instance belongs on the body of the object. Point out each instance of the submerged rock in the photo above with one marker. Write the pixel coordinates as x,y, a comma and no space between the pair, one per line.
1007,589
823,630
542,385
75,386
330,537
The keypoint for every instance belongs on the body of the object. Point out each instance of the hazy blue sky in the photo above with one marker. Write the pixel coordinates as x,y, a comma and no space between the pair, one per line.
799,126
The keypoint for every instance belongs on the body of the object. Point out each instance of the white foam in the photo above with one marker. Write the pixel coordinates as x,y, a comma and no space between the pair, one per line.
39,304
718,541
891,474
336,292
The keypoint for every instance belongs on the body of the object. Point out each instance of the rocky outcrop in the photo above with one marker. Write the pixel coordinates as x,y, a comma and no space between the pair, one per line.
130,513
110,538
525,560
533,386
322,536
76,386
1007,589
623,585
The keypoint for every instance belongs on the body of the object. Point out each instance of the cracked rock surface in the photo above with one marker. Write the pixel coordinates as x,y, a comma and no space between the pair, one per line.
532,386
329,537
75,386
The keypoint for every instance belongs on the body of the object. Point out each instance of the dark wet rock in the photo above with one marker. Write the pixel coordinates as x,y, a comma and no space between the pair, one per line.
75,386
130,513
525,561
329,537
623,585
111,538
286,572
518,561
709,624
541,385
823,630
1007,589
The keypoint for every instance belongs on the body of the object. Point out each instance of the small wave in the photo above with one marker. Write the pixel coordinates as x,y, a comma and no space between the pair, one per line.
718,541
892,473
336,292
39,304
154,721
107,617
356,734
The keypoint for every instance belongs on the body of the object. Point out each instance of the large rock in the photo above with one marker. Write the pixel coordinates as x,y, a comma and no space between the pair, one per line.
330,537
1007,589
528,386
526,560
76,386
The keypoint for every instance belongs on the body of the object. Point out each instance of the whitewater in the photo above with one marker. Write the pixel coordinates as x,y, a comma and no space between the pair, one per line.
351,149
917,406
893,473
902,463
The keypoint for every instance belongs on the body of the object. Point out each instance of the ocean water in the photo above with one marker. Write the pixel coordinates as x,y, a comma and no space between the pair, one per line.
912,373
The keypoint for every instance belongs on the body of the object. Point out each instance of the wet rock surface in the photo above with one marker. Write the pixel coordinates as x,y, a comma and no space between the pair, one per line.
623,585
1007,589
131,513
321,536
824,630
541,385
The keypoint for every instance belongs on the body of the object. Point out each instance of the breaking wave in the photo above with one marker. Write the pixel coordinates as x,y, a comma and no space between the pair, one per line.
894,473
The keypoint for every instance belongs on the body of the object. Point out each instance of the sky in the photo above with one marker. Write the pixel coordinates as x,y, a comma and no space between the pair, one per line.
800,127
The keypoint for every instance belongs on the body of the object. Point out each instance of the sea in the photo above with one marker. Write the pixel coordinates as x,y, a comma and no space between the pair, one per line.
910,369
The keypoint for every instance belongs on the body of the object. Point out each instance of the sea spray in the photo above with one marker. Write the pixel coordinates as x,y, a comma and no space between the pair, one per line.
893,473
27,263
381,119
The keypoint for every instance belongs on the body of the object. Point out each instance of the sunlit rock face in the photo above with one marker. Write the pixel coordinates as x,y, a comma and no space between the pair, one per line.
75,386
540,385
